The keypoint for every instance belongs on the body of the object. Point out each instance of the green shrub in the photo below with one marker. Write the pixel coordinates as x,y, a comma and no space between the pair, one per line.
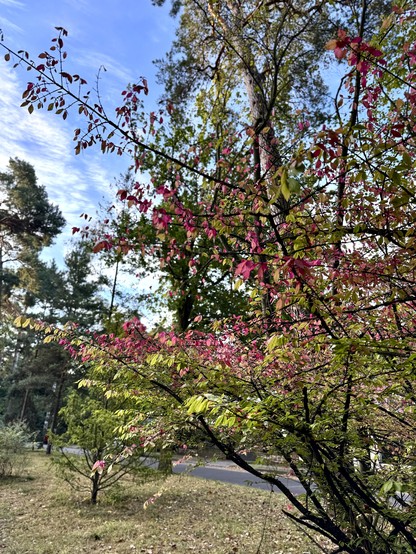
102,458
13,440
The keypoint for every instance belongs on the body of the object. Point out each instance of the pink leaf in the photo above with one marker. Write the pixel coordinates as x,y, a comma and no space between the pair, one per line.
245,268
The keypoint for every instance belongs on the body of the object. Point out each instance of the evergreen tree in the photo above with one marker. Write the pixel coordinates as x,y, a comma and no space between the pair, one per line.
82,303
28,222
36,376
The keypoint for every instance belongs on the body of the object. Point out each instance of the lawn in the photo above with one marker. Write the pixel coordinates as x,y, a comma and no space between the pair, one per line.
40,514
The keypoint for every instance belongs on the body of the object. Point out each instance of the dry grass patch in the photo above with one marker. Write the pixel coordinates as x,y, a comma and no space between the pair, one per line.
41,515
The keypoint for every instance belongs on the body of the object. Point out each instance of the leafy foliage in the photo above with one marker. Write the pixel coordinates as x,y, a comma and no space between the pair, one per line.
320,368
14,439
91,422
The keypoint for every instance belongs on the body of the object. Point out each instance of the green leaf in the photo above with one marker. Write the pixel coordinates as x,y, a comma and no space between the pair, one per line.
387,487
294,185
284,186
407,160
275,341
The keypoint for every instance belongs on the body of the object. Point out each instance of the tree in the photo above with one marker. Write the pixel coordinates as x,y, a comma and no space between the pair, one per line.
323,371
25,207
82,303
28,222
38,375
91,423
33,383
193,286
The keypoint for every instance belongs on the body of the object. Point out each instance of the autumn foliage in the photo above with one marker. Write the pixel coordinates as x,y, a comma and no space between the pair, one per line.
320,367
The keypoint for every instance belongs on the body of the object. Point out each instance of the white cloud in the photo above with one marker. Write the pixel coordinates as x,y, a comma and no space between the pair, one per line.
6,25
12,3
100,33
94,60
75,183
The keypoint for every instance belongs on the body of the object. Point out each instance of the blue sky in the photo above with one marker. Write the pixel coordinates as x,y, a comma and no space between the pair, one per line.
125,37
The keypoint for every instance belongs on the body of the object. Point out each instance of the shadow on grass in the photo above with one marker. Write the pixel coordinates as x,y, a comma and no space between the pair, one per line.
12,479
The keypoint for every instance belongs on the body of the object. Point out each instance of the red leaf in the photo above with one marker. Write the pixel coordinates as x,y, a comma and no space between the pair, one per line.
102,245
245,268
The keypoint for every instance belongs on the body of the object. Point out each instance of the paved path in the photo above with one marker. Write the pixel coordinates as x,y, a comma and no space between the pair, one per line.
224,472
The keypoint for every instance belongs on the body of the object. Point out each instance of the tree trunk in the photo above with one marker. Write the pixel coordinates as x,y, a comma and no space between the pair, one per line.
58,401
95,487
165,460
1,283
22,411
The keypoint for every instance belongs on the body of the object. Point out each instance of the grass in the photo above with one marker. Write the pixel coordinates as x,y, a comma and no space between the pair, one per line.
41,514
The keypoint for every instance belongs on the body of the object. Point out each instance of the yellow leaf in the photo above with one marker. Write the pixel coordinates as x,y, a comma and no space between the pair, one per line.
331,44
18,321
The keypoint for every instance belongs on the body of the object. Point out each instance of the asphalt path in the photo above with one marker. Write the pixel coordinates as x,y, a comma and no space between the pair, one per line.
235,477
224,472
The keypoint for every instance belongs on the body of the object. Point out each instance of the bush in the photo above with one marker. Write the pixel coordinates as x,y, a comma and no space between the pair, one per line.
101,458
13,440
